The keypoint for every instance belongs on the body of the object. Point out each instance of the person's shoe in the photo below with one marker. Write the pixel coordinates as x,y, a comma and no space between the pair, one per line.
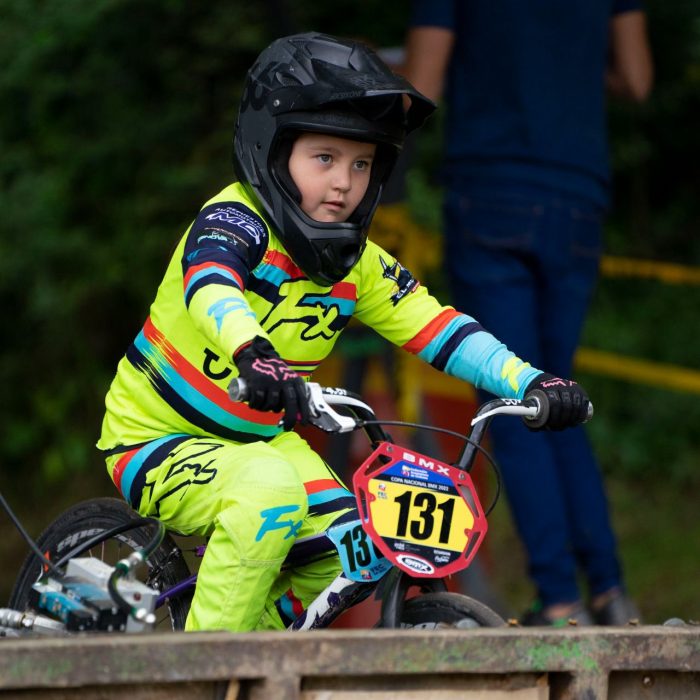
536,617
618,610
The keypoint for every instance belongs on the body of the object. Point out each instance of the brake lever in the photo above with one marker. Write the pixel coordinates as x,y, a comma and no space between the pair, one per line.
322,414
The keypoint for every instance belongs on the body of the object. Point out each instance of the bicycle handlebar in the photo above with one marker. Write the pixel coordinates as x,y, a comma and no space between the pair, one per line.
321,402
534,409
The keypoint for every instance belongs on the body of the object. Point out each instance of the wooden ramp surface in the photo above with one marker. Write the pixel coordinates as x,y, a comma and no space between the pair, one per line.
650,662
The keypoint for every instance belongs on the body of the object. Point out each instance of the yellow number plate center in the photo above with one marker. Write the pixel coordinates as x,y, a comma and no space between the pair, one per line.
418,515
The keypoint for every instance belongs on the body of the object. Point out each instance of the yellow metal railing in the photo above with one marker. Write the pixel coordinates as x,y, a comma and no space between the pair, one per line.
670,273
656,374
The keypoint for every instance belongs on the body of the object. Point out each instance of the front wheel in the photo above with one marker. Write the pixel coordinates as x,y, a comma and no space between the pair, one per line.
447,610
78,524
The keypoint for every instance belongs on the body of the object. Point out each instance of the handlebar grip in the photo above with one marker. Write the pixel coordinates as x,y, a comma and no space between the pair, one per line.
539,398
238,389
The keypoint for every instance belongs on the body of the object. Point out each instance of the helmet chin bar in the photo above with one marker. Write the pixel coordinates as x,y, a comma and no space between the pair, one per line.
338,266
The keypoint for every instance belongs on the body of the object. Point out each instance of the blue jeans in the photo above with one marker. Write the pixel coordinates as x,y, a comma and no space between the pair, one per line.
524,265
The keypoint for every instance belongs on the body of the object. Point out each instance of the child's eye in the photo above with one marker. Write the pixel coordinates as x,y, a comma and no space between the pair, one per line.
324,158
362,165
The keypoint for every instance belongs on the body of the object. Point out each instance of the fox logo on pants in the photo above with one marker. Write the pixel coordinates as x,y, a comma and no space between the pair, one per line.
270,522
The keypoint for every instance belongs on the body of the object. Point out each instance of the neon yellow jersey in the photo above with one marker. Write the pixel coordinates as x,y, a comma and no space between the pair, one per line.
231,279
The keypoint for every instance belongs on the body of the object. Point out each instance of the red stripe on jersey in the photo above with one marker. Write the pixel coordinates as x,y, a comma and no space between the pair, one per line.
120,466
214,265
283,262
345,290
321,485
423,337
201,383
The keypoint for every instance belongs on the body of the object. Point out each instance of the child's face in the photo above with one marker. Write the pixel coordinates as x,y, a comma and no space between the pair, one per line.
332,174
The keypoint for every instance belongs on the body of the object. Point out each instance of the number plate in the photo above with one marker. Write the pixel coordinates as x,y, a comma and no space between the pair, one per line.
422,514
359,556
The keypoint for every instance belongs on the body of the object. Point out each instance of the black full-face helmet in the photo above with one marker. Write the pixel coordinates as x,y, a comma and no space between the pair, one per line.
317,83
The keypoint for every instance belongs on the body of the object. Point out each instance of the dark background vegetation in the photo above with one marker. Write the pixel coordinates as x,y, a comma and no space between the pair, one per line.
116,125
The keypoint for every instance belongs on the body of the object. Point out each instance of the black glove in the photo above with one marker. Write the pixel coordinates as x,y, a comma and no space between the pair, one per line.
272,385
565,403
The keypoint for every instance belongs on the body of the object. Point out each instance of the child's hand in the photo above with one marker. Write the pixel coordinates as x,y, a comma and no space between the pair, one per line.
272,385
567,401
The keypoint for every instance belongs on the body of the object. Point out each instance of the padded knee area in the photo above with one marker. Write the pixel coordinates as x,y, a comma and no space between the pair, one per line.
231,587
263,510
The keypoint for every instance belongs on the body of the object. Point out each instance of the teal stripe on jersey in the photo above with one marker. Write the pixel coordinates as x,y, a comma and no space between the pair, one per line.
169,379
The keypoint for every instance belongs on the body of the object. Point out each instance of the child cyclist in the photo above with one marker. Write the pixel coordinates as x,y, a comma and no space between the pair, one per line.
261,286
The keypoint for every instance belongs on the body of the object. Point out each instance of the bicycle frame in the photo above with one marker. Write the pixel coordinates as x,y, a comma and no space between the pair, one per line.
343,593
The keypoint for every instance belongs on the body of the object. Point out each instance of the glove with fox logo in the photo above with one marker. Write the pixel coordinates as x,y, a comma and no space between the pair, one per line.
272,385
565,403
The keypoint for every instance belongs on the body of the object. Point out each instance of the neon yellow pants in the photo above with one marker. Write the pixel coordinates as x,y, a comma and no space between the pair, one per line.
254,502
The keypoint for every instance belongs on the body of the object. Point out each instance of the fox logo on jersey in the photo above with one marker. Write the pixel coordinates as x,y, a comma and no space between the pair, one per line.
323,314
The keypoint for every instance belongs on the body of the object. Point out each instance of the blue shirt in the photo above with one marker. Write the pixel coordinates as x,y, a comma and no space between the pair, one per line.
525,92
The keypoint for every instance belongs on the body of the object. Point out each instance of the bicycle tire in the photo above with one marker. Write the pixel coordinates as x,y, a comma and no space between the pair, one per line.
447,610
166,565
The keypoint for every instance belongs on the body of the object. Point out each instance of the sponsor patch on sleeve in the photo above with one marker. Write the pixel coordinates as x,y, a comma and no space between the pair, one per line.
404,281
235,222
221,235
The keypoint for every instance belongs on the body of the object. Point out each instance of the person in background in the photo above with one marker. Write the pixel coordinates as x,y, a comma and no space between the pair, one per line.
527,186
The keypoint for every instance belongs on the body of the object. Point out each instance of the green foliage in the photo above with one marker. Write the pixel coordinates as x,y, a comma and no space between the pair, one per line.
640,429
380,24
650,432
116,125
655,147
